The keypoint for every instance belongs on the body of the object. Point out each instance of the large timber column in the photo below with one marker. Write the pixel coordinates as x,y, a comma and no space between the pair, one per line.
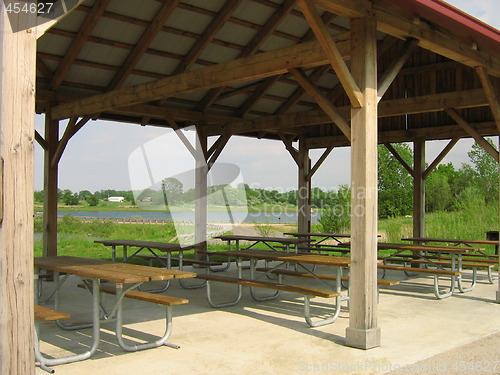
363,332
200,220
50,184
418,188
17,131
304,189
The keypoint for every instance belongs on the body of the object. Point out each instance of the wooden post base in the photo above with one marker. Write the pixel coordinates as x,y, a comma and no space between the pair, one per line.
363,338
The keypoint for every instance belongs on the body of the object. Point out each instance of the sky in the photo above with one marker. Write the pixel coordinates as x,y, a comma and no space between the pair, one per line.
99,155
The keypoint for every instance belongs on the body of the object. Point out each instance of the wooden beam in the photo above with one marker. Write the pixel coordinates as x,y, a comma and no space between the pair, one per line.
400,24
208,35
398,157
363,331
257,95
491,94
292,150
322,101
43,68
395,67
346,8
71,129
386,108
473,133
221,143
77,44
17,129
320,161
201,191
154,27
258,66
303,189
440,157
396,136
41,141
334,56
418,188
184,140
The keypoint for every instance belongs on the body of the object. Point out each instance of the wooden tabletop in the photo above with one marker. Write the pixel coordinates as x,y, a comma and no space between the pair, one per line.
162,246
428,248
115,272
304,234
283,240
449,240
289,257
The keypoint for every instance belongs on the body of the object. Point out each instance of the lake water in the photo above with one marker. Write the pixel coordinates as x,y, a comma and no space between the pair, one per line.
213,217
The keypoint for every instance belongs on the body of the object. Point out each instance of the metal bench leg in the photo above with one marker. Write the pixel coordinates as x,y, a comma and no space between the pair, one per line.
148,345
473,282
322,322
224,304
440,295
492,279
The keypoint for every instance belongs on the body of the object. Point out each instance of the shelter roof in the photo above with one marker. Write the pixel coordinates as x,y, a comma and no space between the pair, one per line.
233,67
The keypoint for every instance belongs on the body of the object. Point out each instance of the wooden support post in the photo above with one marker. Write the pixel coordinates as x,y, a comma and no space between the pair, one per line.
498,291
200,209
50,184
419,188
363,332
304,189
17,133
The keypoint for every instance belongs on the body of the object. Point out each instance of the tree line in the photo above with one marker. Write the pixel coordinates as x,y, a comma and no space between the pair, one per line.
446,189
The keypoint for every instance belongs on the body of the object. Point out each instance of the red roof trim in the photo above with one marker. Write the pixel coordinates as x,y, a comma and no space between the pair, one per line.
453,19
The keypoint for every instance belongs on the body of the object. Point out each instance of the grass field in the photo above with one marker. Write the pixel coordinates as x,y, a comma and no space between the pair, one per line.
77,238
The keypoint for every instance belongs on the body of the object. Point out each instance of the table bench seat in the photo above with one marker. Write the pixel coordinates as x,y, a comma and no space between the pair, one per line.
184,260
439,262
321,276
278,287
45,314
271,285
159,299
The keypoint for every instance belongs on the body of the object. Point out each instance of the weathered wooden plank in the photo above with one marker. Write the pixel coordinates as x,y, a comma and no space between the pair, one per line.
363,331
262,65
17,132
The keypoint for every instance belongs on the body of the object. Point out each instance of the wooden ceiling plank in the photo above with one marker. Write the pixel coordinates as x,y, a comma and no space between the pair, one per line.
346,8
473,133
152,30
490,93
252,47
74,49
398,157
440,157
334,56
322,101
397,64
258,66
208,35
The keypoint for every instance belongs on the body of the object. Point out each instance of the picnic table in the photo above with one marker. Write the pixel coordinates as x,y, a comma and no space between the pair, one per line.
325,236
457,242
283,258
163,247
126,278
287,242
425,254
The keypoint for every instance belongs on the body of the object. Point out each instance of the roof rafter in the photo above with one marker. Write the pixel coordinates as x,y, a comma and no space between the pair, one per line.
334,57
208,35
145,41
74,49
256,42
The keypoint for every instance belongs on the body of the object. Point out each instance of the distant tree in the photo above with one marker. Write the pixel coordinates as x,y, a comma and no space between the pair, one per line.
395,184
486,172
38,196
172,190
69,198
84,194
92,200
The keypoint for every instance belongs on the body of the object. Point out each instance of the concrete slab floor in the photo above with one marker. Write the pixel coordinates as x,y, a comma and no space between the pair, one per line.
272,337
